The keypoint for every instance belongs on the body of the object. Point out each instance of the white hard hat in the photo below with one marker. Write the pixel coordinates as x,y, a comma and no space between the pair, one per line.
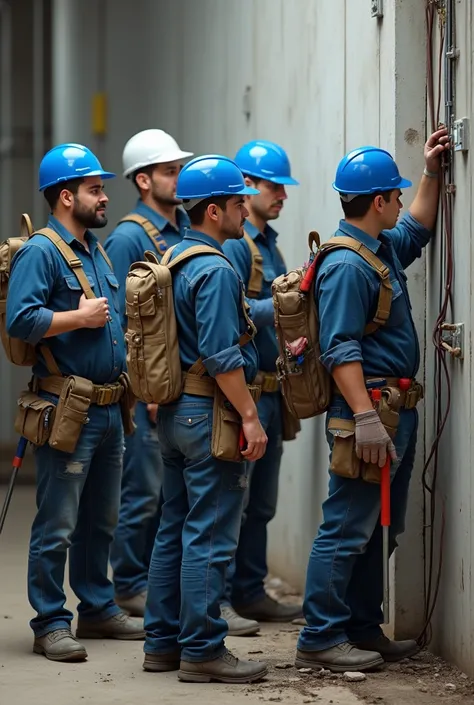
150,147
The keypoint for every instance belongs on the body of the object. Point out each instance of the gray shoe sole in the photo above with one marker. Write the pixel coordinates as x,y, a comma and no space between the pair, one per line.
338,668
245,631
86,634
74,656
191,677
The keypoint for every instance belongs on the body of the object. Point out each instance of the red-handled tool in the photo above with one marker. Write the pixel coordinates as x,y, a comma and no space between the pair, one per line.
376,395
16,465
242,440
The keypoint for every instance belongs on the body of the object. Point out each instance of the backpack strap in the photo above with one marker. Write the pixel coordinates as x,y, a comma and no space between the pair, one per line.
385,293
198,367
71,258
159,243
254,287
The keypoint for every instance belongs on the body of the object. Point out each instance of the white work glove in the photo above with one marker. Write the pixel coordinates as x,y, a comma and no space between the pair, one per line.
372,440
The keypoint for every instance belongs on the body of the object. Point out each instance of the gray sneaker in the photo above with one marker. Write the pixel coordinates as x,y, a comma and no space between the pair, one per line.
59,645
340,658
225,669
120,626
269,610
237,625
133,606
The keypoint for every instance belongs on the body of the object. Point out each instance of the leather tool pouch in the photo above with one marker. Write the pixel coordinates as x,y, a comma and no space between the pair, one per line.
290,424
34,418
127,404
227,427
390,419
344,461
71,413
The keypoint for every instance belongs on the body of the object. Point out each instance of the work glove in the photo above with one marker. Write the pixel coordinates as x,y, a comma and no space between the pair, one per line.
372,440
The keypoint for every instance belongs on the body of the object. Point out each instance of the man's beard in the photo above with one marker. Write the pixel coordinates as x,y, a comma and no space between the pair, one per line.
230,232
87,217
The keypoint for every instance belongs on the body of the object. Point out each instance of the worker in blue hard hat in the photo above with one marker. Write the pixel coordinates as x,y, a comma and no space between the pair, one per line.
368,340
203,494
152,161
258,260
62,299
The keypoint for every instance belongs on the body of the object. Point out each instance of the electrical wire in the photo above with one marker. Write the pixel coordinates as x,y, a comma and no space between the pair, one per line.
442,379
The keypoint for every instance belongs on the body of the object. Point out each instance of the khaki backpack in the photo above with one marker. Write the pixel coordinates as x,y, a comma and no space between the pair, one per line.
153,361
18,351
306,384
159,243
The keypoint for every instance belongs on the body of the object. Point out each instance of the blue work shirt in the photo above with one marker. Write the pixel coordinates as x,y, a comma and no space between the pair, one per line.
261,309
128,242
347,290
41,283
207,294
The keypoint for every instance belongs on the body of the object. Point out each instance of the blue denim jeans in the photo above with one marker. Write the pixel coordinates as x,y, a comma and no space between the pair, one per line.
140,507
77,499
344,585
197,537
246,574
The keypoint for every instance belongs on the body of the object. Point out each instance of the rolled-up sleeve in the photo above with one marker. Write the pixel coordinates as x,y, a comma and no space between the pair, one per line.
31,280
217,307
409,238
343,298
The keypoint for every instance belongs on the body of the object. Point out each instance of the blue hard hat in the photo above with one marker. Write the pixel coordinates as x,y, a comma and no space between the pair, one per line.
367,170
211,175
69,161
265,160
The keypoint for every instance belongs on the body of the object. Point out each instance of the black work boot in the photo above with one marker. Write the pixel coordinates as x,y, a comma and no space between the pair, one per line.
225,669
340,658
269,610
391,651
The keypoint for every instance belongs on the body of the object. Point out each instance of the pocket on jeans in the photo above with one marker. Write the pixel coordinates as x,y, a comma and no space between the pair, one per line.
193,435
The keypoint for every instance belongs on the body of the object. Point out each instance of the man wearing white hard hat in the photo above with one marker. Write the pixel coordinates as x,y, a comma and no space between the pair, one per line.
152,160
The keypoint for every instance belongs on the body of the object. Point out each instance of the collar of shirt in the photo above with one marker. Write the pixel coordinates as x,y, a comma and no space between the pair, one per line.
268,232
54,223
202,239
358,234
159,221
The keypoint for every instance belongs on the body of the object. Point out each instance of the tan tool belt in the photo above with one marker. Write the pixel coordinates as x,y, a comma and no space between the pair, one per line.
226,421
102,394
399,398
268,381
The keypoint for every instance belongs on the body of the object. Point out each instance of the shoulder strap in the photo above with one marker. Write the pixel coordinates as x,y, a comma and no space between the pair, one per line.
256,272
151,230
198,367
104,255
72,260
385,293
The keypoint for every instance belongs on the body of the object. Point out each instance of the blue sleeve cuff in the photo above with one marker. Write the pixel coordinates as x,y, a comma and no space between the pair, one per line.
261,312
44,318
224,361
349,351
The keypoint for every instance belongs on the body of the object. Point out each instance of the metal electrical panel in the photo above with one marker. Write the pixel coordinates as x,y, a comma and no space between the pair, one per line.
377,8
461,135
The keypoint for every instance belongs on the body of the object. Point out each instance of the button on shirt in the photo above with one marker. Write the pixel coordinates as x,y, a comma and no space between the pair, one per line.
207,293
347,290
261,309
128,242
41,283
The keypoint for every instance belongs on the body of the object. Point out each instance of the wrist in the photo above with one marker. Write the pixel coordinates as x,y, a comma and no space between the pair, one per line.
431,174
250,414
79,318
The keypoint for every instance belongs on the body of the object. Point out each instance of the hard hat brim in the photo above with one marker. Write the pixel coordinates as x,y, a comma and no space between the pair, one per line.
172,156
248,191
403,183
97,172
281,180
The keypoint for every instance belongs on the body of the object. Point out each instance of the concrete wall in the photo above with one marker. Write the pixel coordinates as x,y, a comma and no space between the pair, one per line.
320,78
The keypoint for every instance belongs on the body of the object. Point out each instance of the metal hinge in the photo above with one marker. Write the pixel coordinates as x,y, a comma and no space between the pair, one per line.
452,339
376,8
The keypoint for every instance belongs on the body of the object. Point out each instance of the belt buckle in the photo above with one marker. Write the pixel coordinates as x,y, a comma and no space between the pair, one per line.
105,396
270,383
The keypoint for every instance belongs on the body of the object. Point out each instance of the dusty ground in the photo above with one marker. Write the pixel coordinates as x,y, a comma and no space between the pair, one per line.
113,673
